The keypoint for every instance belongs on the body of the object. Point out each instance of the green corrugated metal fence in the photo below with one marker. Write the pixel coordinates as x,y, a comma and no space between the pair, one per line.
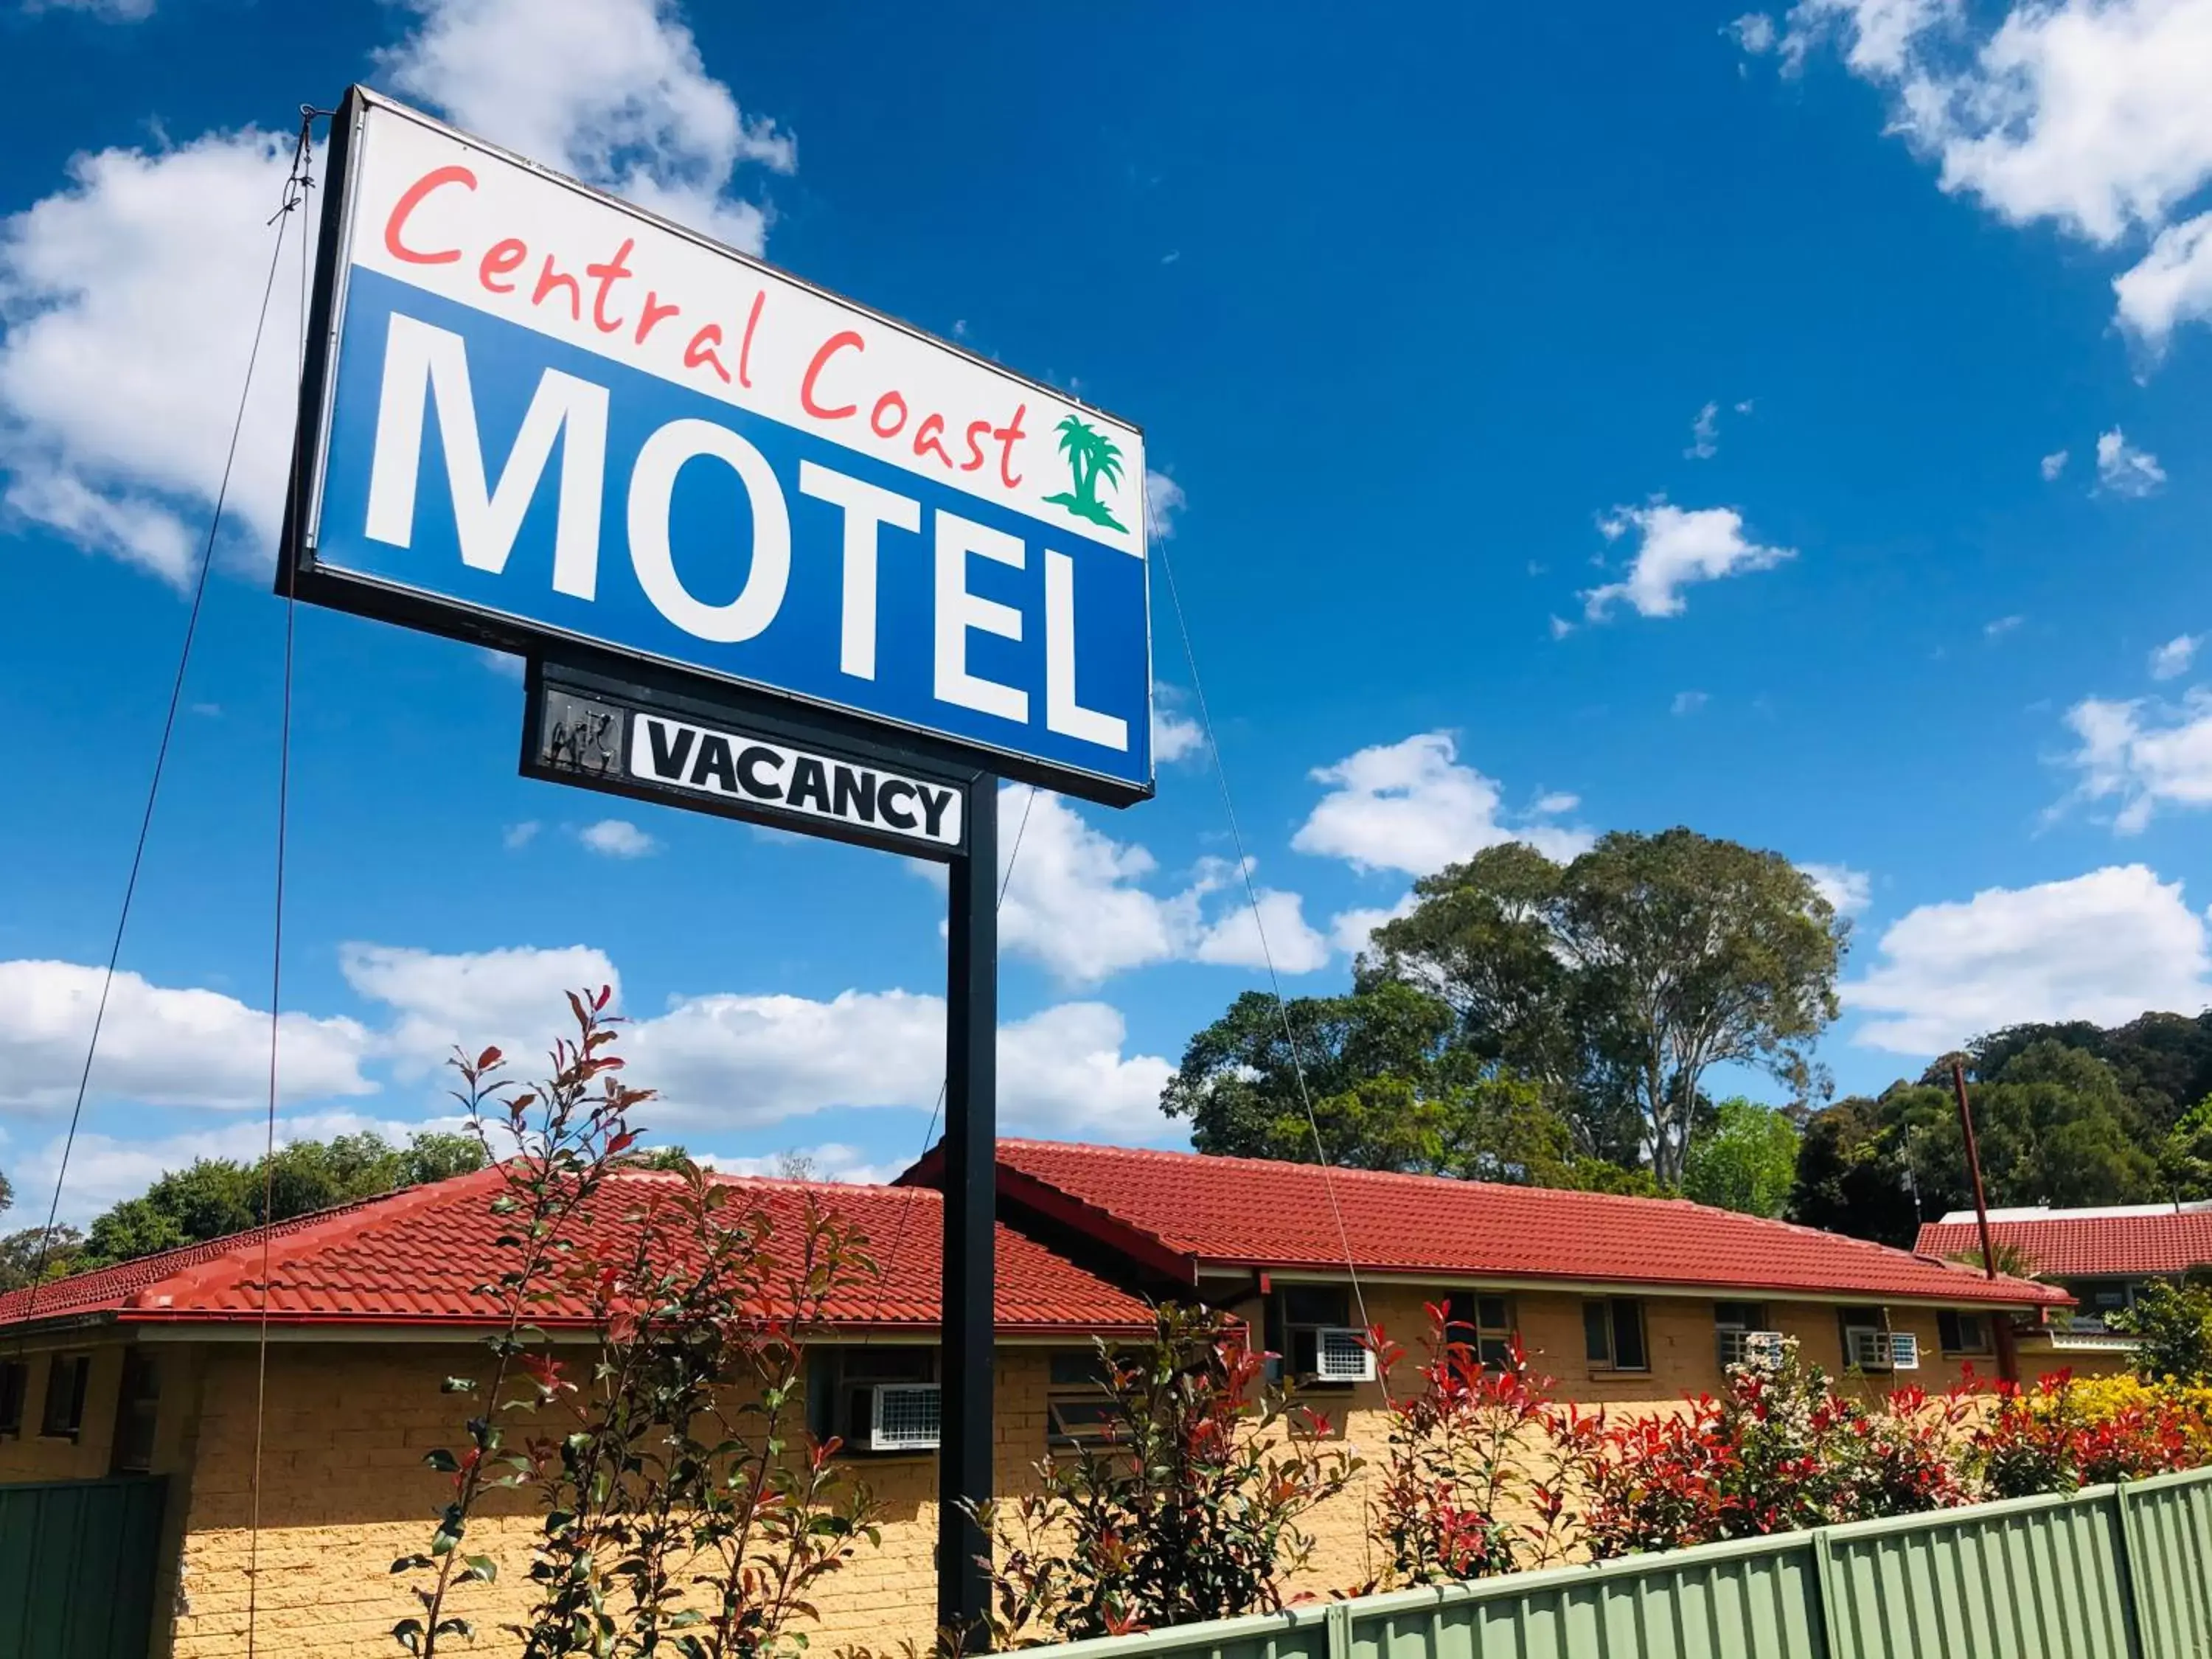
77,1564
2112,1572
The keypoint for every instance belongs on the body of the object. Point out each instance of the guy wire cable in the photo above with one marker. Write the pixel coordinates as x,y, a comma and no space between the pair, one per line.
296,187
161,764
1155,543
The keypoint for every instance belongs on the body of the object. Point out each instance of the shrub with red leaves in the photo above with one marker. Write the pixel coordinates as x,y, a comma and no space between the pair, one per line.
1779,1451
1458,1449
2048,1440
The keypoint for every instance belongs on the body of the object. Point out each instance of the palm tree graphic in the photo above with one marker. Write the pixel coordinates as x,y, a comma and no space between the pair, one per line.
1091,455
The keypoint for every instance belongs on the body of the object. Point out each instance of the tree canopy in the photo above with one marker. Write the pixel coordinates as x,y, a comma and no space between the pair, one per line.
1537,1022
214,1197
2054,1125
1619,979
1388,1090
1746,1161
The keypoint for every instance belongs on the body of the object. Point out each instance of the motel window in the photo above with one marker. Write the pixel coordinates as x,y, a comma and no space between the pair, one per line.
137,1404
15,1385
842,1394
1735,1321
1866,1338
1077,1408
62,1418
1302,1319
1612,1335
1962,1332
1484,1323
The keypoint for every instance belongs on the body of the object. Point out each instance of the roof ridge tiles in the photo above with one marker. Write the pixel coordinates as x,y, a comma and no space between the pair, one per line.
227,1268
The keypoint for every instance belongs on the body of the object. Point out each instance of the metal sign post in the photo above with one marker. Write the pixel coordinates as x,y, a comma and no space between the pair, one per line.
971,1173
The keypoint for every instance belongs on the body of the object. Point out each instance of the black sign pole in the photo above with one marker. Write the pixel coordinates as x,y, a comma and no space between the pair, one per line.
971,1071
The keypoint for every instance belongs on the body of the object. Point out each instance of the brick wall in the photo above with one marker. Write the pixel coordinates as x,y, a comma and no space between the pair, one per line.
346,1490
1685,1360
34,1456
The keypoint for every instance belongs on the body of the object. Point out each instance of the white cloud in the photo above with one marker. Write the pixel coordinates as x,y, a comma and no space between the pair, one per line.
1705,435
2052,464
1688,702
518,836
511,999
2124,469
1412,806
1077,902
1163,501
1235,939
1561,628
613,91
161,1046
2172,285
1551,805
1175,735
2173,658
1351,930
617,838
2001,626
1074,902
1754,32
2104,947
2090,114
1677,547
1849,890
2143,753
830,1160
730,1060
128,296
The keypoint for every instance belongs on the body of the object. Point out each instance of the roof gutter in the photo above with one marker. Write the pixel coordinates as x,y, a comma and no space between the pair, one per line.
1974,1289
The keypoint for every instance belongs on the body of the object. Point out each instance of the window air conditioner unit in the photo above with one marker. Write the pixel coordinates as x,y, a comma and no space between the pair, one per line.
1884,1351
905,1416
1760,1348
1340,1354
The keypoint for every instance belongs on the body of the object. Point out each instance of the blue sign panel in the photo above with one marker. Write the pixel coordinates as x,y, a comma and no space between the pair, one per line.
547,417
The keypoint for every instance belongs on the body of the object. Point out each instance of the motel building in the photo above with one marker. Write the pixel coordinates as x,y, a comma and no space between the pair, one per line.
146,1372
2102,1257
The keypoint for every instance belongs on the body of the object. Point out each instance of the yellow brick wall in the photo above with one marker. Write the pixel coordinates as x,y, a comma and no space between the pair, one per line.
346,1492
1685,1360
33,1457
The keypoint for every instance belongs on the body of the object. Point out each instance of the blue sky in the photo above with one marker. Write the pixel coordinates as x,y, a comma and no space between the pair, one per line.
1787,425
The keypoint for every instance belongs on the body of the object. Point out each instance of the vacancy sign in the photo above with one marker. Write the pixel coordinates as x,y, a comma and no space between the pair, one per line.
545,417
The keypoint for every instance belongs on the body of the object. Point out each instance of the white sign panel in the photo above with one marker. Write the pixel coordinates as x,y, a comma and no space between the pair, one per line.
751,771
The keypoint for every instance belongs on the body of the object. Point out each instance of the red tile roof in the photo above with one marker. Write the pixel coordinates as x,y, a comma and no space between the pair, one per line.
1182,1211
414,1258
2089,1245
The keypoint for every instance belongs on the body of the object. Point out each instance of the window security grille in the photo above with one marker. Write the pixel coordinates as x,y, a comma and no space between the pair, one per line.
1884,1351
1341,1355
906,1417
1760,1348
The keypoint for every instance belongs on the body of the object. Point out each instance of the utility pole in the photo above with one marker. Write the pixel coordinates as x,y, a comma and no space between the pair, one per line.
1999,1320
